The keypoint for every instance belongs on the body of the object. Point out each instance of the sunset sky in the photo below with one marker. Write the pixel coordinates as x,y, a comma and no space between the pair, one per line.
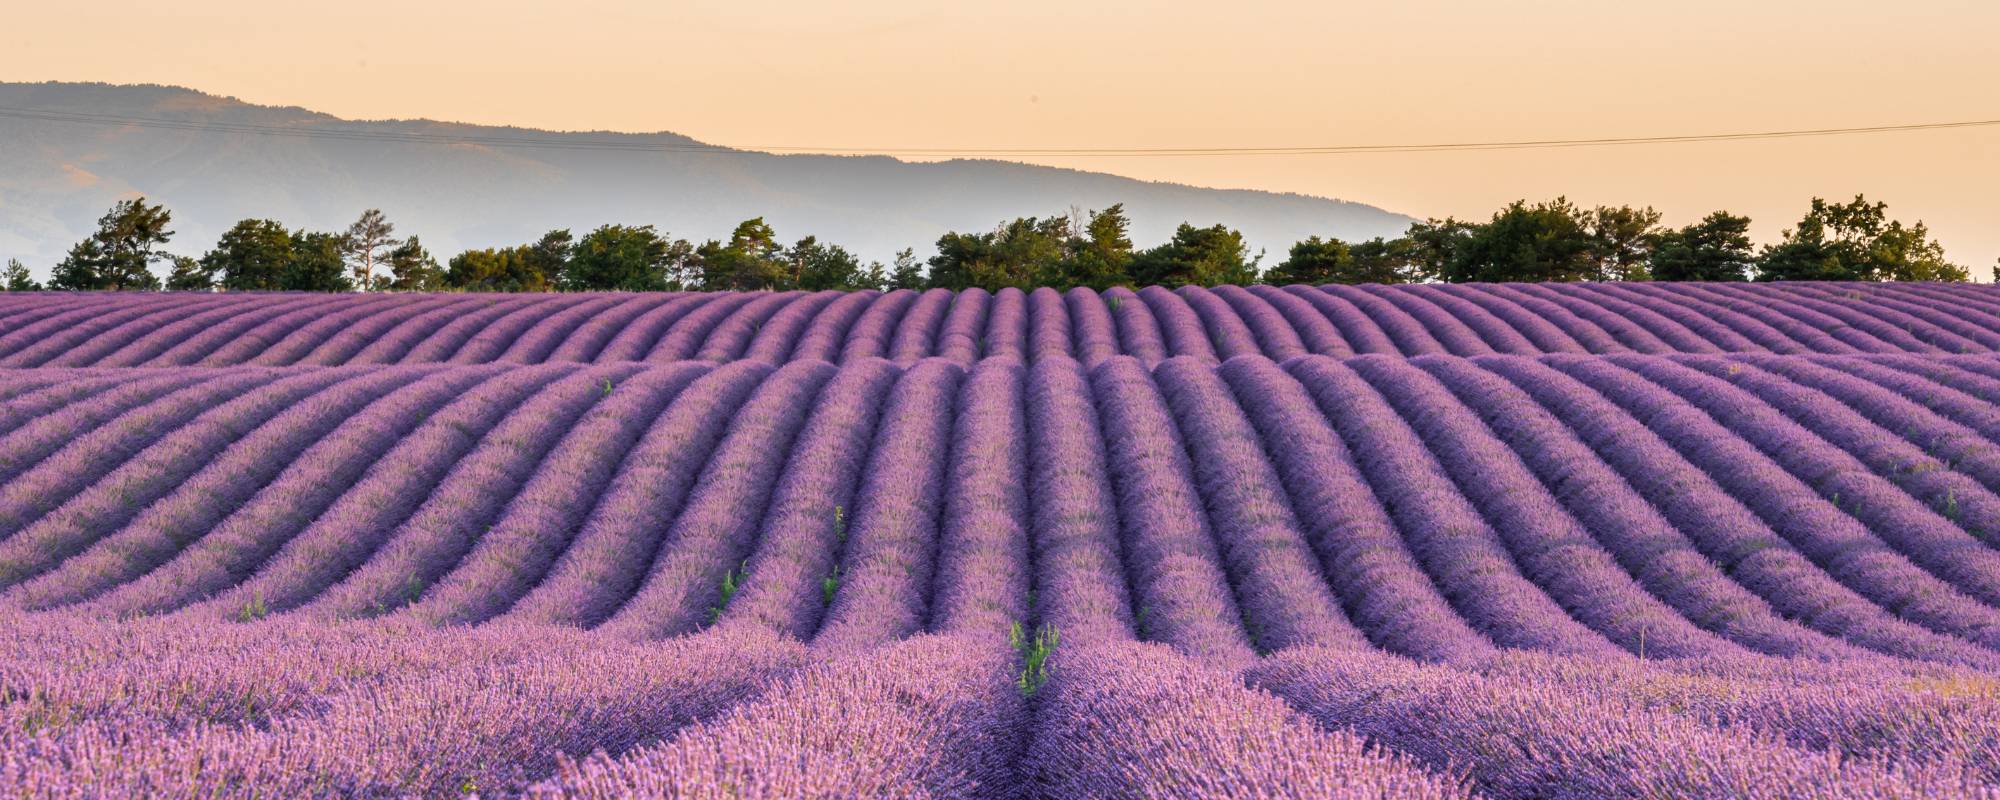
1043,73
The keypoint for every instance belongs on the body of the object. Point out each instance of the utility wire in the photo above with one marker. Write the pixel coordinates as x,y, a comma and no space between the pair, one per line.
646,143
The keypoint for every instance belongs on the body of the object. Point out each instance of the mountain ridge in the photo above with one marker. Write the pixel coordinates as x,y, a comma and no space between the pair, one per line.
56,178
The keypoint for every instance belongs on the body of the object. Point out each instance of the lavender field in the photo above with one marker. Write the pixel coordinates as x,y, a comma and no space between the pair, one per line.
1502,541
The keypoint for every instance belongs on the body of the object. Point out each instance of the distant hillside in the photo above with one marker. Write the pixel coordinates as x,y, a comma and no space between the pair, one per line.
56,178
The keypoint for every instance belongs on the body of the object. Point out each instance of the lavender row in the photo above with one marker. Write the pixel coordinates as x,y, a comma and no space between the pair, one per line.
1152,324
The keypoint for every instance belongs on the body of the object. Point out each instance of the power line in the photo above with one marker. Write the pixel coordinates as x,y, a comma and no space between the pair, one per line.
626,144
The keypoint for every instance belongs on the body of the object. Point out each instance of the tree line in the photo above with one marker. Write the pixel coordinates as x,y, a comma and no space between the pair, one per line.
1549,241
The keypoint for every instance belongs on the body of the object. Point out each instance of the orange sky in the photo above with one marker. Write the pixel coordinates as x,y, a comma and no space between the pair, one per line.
1049,73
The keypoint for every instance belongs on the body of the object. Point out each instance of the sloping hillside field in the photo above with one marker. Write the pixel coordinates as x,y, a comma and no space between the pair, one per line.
1445,541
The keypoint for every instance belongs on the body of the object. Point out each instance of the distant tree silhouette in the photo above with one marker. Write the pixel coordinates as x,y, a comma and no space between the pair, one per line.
118,255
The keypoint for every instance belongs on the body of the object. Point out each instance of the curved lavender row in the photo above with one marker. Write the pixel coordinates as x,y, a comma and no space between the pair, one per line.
514,553
1283,595
485,727
26,309
1130,720
1006,333
1080,585
1363,333
983,546
1913,531
1644,542
460,326
79,346
933,716
1276,339
1227,330
1180,327
1139,331
241,537
822,338
884,585
608,556
1511,327
1748,317
1590,324
1178,580
1383,589
1635,324
1968,308
1457,547
1316,334
774,341
1411,336
170,674
1522,740
1714,323
33,342
918,329
685,336
30,395
811,510
717,526
1944,331
496,337
1096,330
1457,336
731,337
534,345
1863,333
1499,334
959,338
468,501
390,345
1858,711
341,539
243,337
1548,544
1720,525
347,345
1837,544
1048,325
300,341
635,339
1940,517
106,442
141,514
1959,427
869,336
588,340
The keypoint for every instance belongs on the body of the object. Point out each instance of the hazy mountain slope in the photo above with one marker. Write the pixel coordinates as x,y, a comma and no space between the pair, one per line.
56,178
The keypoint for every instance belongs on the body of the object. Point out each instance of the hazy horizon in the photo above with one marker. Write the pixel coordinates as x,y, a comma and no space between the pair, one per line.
1044,74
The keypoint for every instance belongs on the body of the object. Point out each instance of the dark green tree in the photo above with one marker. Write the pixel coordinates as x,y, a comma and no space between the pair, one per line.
1856,242
1315,261
817,266
367,242
1024,253
503,269
750,260
118,256
253,255
906,272
1432,245
318,263
189,275
17,277
1102,257
549,256
1209,256
1550,241
1625,238
412,269
624,259
1715,249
